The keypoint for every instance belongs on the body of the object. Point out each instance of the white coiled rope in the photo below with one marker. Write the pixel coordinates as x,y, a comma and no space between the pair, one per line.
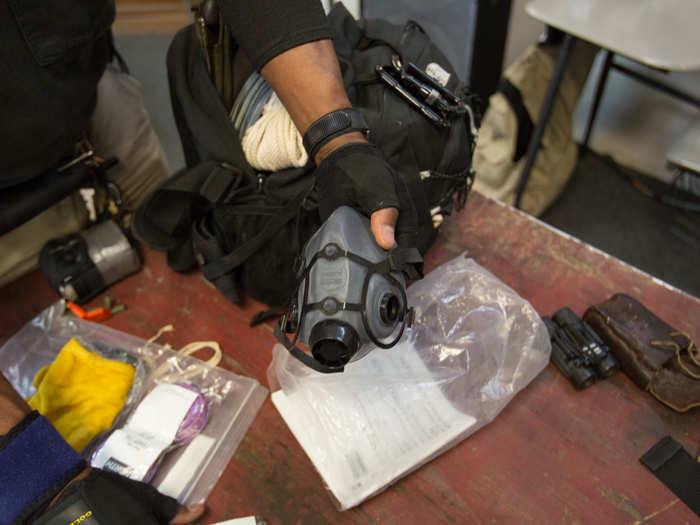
273,142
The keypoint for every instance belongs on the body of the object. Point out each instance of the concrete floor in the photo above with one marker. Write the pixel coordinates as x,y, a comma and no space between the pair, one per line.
602,207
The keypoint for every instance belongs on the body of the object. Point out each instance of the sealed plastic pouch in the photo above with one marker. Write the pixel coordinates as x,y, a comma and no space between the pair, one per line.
219,406
474,345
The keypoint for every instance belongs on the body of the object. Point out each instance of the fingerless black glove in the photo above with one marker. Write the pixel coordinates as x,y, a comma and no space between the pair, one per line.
357,175
104,498
36,463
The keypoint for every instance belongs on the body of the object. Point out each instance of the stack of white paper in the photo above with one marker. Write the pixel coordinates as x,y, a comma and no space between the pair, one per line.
362,434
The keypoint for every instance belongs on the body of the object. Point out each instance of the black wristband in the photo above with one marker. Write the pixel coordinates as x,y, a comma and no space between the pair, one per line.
332,125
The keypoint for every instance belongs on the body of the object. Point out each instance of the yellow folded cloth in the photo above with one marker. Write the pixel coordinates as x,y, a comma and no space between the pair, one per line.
81,393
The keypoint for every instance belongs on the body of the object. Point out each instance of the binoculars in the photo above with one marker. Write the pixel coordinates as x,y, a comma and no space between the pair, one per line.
577,351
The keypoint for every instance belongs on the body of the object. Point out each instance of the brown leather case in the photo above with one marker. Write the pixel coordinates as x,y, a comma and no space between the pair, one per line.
657,357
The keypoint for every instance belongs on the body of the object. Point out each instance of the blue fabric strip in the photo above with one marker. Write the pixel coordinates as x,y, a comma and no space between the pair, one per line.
33,463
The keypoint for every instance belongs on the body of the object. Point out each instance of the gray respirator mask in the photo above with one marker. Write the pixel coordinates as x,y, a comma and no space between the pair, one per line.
351,294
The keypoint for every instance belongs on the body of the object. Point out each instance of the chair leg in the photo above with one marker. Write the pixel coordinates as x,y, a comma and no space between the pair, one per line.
602,79
546,110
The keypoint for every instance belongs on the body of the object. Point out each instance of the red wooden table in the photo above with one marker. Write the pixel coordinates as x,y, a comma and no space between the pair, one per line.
552,455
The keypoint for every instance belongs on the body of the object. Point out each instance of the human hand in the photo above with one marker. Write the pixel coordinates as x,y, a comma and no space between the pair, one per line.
357,175
45,481
111,498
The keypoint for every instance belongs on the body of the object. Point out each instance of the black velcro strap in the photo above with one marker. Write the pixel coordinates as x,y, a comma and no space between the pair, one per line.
525,125
163,221
676,469
332,125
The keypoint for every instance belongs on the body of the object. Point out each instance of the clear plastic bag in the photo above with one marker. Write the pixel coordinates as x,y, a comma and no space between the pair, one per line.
474,345
188,473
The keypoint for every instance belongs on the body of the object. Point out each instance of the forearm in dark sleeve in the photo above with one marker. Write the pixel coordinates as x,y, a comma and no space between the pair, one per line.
264,29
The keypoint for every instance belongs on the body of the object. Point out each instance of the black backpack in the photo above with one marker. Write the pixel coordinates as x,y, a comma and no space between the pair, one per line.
245,228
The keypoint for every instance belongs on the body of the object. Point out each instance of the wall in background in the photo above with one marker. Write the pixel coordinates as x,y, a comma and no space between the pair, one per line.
136,17
636,125
354,6
523,30
450,24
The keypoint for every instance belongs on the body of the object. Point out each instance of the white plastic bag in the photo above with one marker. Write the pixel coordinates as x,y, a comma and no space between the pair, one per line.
474,345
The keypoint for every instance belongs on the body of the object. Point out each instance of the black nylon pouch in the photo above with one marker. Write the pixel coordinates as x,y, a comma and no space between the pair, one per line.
276,216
